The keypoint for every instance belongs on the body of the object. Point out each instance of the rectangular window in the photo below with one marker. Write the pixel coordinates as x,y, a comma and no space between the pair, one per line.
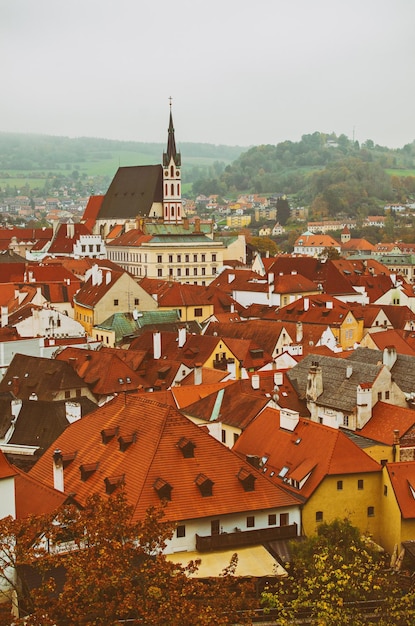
379,396
179,258
371,511
170,258
179,271
214,527
203,271
187,271
181,530
272,519
198,312
186,258
339,485
203,258
250,521
159,258
115,302
195,258
214,258
195,271
223,436
67,394
385,490
83,248
319,516
136,301
360,484
387,395
345,420
160,272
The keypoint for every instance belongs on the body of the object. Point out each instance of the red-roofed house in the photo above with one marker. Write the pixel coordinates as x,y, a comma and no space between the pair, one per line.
398,505
154,453
335,478
75,240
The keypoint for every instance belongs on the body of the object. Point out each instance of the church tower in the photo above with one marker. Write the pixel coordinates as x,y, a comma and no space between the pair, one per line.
172,184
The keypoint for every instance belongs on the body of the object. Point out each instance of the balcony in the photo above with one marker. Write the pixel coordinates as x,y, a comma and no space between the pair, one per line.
239,539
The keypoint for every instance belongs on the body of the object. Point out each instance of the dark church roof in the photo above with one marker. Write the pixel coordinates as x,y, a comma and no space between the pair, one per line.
132,192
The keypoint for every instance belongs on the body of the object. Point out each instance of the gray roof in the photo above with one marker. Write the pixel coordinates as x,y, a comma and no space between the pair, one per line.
132,192
339,392
403,371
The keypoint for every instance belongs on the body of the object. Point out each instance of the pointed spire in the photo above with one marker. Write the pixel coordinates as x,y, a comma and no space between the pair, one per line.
171,144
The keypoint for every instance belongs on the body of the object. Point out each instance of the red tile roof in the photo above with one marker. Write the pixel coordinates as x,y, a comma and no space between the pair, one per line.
402,477
326,449
91,211
154,457
385,419
63,242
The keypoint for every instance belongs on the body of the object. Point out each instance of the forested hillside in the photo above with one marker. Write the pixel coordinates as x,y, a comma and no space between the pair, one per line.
330,173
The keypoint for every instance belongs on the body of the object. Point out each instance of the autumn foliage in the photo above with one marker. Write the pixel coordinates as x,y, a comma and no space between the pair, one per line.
94,566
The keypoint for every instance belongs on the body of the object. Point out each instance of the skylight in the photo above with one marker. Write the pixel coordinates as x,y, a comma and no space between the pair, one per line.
283,472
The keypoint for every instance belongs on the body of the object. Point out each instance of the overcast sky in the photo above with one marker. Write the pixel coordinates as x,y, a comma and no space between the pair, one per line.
240,72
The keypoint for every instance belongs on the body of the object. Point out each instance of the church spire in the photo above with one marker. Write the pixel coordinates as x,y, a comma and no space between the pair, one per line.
171,152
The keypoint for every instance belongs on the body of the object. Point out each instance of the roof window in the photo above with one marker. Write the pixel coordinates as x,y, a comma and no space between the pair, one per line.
107,434
247,479
87,469
187,447
112,482
126,440
163,489
205,485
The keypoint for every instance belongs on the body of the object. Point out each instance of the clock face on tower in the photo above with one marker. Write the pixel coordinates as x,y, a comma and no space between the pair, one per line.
177,173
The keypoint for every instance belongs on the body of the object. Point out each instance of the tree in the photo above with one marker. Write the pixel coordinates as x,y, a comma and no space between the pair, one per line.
283,210
330,573
114,568
264,245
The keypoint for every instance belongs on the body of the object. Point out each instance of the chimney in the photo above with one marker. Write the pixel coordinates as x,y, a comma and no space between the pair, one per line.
157,345
231,367
197,225
289,419
314,382
197,373
299,332
107,278
349,371
396,450
4,316
15,385
306,302
389,356
58,482
270,278
182,337
363,404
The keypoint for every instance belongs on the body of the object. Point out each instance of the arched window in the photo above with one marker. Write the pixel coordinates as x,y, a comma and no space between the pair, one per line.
178,189
172,189
172,210
165,189
171,171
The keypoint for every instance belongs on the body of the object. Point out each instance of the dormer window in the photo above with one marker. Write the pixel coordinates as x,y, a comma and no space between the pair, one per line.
112,482
205,485
187,447
87,469
163,489
107,434
247,479
126,440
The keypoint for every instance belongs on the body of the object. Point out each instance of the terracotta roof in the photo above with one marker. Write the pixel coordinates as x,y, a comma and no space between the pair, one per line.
90,294
153,459
311,447
315,309
6,470
228,405
63,242
104,371
385,419
395,338
133,237
91,211
175,294
34,497
402,477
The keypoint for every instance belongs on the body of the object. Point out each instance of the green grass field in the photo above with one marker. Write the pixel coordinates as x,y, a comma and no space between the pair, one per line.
401,173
